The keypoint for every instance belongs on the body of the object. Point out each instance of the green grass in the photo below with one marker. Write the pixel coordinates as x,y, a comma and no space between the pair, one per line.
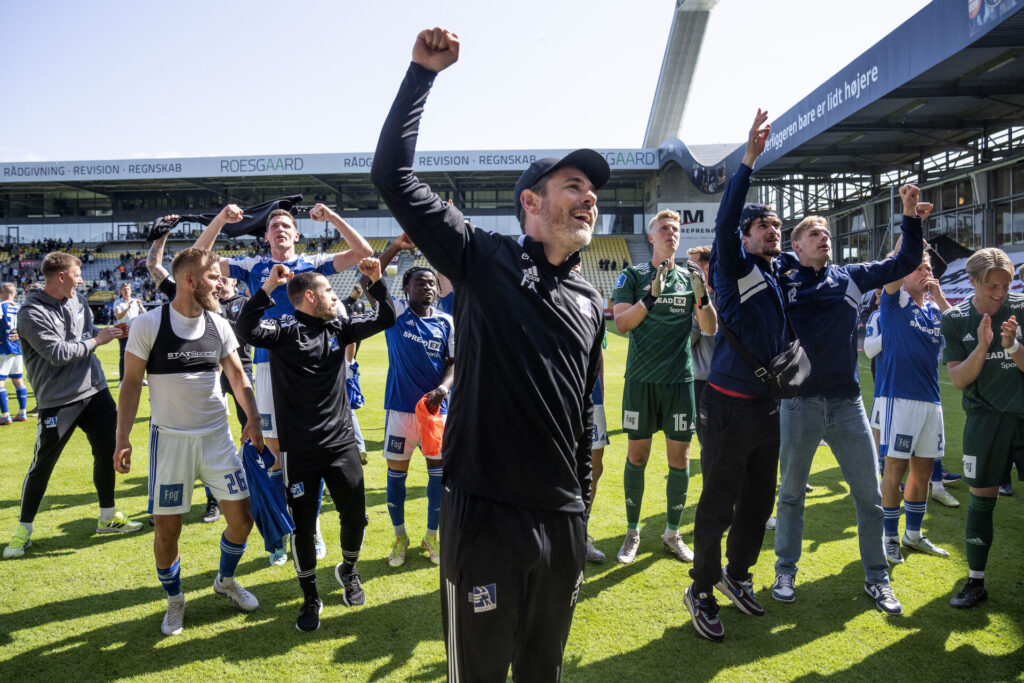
90,606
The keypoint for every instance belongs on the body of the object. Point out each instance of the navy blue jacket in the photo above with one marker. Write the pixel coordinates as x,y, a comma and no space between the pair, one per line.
823,308
749,300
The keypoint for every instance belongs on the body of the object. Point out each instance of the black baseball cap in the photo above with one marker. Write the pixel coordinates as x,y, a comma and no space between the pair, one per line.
590,162
751,212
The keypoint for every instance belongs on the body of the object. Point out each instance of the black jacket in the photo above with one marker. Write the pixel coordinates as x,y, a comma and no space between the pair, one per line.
528,333
307,367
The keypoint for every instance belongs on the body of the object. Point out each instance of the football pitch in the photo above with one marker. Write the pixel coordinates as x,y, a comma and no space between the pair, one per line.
89,606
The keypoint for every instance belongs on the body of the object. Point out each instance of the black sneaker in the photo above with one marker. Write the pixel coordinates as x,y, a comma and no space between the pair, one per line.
309,615
885,599
212,513
1006,488
741,593
353,585
703,611
970,595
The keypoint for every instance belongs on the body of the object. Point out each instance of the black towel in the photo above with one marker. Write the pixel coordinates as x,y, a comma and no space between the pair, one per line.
254,219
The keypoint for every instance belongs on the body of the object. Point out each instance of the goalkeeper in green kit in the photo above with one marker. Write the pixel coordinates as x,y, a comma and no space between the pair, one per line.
658,304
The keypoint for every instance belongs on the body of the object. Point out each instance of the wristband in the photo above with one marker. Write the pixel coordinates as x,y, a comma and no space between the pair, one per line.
648,301
1013,349
441,388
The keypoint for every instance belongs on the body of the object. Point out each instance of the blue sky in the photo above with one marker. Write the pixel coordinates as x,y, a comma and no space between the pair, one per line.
117,79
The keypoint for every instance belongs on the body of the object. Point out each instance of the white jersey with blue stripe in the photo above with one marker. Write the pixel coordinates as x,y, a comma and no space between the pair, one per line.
254,271
417,349
908,366
8,326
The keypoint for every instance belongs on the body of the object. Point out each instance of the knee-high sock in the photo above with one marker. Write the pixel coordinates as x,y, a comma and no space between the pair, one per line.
433,497
676,485
22,394
937,470
915,514
396,499
891,521
230,554
633,486
978,531
170,578
3,399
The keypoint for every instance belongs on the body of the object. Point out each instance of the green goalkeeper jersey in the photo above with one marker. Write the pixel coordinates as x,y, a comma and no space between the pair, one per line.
659,347
999,386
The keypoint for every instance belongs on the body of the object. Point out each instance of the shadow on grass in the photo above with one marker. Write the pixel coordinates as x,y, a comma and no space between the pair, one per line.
824,607
385,630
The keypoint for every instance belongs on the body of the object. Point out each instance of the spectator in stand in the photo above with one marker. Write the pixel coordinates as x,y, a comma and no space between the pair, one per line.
126,309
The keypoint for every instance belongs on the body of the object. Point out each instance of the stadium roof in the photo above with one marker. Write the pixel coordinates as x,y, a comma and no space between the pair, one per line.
947,76
685,38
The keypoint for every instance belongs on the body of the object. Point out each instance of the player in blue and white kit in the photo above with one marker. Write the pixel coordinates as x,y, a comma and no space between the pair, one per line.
10,355
421,365
873,347
282,235
911,425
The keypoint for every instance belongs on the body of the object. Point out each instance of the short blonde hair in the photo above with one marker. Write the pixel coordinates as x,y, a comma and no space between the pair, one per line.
984,261
194,260
58,262
664,213
806,224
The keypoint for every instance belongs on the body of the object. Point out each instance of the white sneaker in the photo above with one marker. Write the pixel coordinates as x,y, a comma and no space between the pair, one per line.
673,543
593,554
922,544
627,553
279,556
245,600
892,549
770,524
174,620
946,498
782,589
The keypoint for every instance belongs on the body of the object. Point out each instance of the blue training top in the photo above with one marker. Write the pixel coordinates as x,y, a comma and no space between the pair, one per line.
417,350
911,346
254,270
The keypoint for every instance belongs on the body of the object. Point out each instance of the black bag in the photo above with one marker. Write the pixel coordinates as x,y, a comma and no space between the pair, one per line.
785,372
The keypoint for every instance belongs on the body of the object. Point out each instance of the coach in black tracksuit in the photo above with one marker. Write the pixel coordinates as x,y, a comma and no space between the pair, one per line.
307,352
516,449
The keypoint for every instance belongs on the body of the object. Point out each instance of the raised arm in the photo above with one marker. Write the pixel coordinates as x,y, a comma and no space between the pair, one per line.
383,316
155,257
437,227
358,249
727,249
401,243
887,272
249,327
229,214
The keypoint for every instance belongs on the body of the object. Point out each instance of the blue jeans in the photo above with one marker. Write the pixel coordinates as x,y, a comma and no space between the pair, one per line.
843,424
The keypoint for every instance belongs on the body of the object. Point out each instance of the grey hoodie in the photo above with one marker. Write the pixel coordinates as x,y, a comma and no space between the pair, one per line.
56,337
